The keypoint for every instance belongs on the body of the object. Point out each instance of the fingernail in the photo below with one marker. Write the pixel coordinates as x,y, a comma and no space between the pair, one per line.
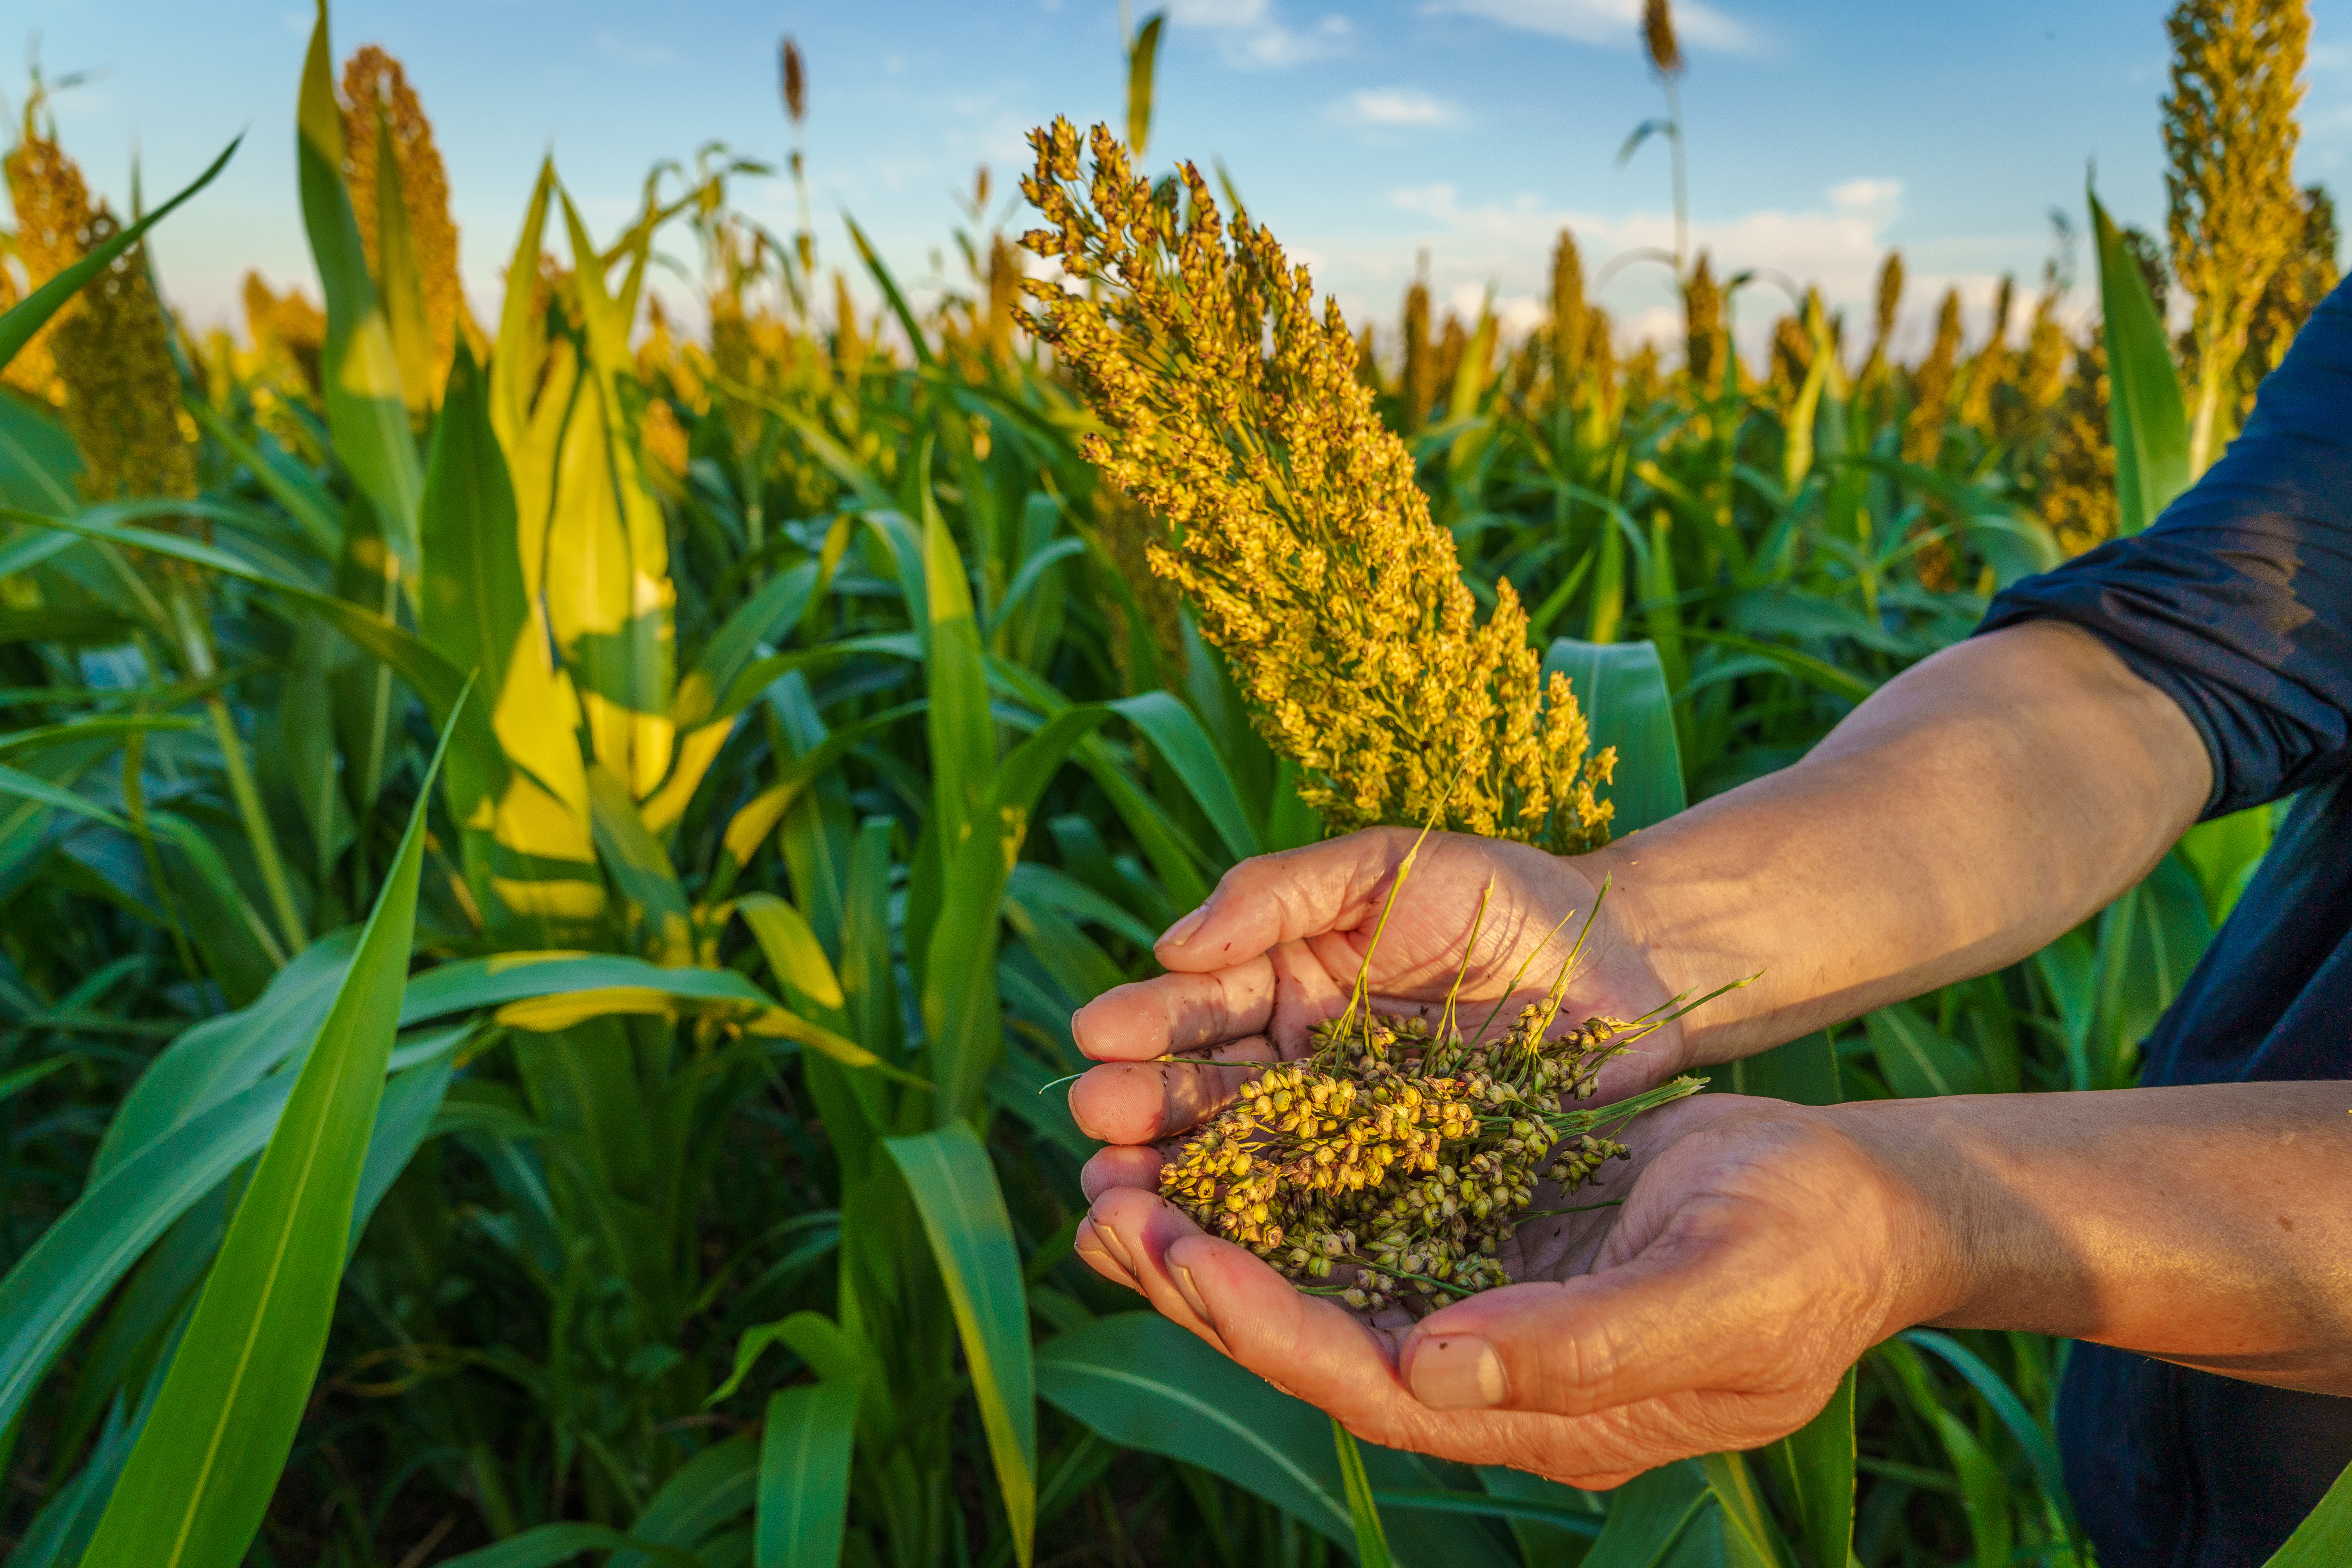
1182,931
1116,1247
1457,1371
1190,1291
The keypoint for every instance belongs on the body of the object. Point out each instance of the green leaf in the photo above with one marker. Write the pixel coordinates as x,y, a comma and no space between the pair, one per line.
2030,1437
23,320
1188,748
366,409
1816,1461
551,1544
793,953
963,735
2323,1540
1363,1513
197,1484
804,1450
1650,1515
1919,1060
961,1013
640,867
963,1213
1142,55
472,606
716,1486
2145,418
1143,1383
1622,688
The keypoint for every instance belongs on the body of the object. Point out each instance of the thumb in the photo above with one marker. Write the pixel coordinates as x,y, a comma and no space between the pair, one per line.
1650,1327
1293,895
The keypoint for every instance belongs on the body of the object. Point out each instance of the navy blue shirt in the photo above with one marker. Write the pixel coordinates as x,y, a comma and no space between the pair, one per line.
2237,603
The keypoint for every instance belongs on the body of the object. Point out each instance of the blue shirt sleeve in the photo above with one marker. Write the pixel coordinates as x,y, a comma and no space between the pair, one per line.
2237,601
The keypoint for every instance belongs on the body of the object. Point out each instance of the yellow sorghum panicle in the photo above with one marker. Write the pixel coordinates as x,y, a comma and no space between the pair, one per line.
2078,478
1568,324
374,82
1707,344
1793,359
1391,1165
1297,531
2301,282
1418,385
1445,363
2235,214
1931,386
285,327
53,223
1990,374
122,391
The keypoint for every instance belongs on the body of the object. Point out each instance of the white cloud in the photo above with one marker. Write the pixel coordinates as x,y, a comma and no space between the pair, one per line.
1389,108
1608,22
1506,247
1254,38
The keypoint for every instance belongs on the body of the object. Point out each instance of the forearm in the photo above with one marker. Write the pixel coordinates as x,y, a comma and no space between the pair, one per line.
2209,1225
1976,807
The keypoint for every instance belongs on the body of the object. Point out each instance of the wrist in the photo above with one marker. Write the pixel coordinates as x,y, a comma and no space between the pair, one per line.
1927,1202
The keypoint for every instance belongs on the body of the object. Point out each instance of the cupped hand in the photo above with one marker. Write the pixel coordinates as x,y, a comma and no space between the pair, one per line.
1277,949
1760,1248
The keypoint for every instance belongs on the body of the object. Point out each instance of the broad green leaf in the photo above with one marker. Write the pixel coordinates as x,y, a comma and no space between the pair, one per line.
732,647
794,955
2323,1540
29,316
221,1057
1363,1513
195,1487
640,867
400,279
366,408
1186,746
1650,1515
963,735
472,606
550,1545
960,1009
1142,59
711,1489
955,1191
1746,1533
89,1247
1143,1383
2145,418
1919,1060
1817,1463
804,1450
2223,853
1984,1489
2031,1438
1622,689
1803,1072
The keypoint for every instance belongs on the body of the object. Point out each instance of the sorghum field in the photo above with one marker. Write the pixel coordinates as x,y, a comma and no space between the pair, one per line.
547,860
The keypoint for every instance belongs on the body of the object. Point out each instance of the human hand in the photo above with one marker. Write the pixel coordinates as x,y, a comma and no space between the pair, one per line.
1277,949
1760,1248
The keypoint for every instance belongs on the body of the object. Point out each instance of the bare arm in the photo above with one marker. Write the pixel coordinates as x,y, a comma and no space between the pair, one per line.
1973,809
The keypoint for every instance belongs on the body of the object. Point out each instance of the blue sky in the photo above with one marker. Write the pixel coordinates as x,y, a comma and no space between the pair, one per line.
1366,131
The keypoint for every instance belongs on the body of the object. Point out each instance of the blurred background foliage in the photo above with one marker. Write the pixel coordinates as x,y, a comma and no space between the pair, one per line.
829,742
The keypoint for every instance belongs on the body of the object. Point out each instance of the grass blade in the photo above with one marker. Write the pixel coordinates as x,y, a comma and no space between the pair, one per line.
2325,1537
195,1487
1371,1539
1181,739
971,1234
804,1453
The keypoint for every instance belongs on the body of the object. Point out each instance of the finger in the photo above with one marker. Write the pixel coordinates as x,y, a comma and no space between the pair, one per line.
1142,1227
1089,1244
1122,1165
1662,1324
1286,897
1314,1348
1139,1102
1171,1013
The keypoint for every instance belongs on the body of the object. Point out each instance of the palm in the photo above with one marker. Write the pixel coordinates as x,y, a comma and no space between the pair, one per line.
1285,940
